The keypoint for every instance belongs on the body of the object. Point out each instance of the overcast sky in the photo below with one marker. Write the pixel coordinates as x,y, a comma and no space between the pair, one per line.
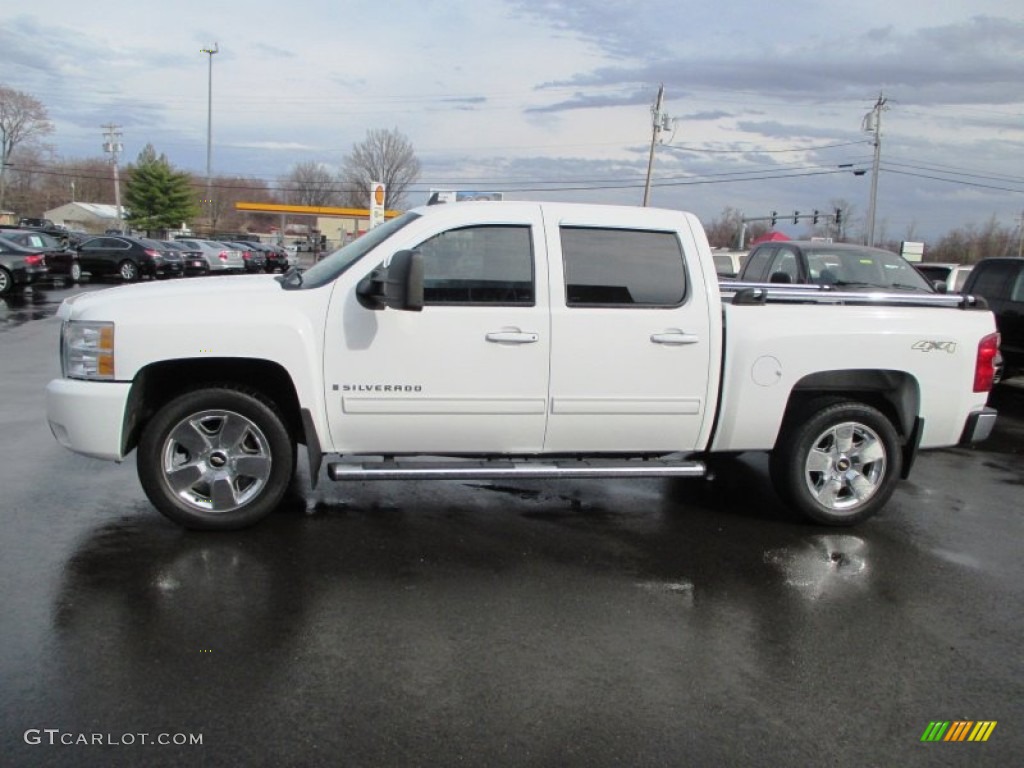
545,99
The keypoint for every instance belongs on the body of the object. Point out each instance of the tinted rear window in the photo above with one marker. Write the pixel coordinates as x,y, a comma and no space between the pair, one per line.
622,267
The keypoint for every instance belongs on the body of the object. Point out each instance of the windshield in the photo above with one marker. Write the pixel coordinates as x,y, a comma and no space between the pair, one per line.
327,269
860,267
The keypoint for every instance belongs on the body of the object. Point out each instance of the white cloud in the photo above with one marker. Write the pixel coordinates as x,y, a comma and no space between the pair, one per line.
552,91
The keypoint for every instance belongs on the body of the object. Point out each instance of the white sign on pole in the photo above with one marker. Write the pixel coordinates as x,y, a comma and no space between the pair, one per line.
377,197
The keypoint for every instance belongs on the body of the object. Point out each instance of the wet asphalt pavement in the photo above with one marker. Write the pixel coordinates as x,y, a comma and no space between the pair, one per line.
639,622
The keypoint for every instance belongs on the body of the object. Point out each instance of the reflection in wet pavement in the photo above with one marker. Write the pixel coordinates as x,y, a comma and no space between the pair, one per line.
23,307
819,565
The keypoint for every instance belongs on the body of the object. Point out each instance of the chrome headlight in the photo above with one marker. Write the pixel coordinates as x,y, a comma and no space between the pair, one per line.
87,350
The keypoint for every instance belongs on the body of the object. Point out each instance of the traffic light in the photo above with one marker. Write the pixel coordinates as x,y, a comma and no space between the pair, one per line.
796,217
839,217
774,217
815,220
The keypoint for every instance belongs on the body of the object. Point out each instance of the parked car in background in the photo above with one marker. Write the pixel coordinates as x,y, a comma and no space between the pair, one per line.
19,266
60,261
728,263
1000,281
255,259
946,277
277,256
839,265
192,258
42,225
131,258
76,237
219,257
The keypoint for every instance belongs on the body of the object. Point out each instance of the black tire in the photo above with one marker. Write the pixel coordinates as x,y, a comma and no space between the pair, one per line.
6,282
216,458
827,482
128,270
75,272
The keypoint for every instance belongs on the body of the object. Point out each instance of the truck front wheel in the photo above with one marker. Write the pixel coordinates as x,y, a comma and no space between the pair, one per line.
216,458
837,462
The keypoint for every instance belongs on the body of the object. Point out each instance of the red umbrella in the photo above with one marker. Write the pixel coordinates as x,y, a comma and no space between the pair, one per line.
769,237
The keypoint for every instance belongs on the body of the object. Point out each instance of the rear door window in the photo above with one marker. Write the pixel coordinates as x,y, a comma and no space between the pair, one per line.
622,267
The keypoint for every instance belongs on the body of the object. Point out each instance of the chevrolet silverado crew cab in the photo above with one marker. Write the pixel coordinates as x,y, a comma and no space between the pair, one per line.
515,339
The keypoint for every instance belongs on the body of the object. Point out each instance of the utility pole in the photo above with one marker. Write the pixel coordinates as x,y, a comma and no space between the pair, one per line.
209,126
114,147
1020,241
660,123
872,123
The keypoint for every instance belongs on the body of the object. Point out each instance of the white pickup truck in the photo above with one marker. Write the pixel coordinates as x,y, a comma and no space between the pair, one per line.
515,339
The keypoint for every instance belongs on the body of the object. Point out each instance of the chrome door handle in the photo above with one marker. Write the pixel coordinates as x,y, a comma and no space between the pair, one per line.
512,337
674,337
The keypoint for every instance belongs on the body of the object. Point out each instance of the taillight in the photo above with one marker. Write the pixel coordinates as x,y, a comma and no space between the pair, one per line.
35,260
151,253
246,255
223,255
985,365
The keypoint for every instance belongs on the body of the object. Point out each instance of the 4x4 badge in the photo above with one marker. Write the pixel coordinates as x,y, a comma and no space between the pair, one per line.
935,346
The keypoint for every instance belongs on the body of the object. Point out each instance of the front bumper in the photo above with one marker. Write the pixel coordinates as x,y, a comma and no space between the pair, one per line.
979,426
87,417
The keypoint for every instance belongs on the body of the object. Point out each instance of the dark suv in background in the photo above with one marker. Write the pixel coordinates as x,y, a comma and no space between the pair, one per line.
1000,281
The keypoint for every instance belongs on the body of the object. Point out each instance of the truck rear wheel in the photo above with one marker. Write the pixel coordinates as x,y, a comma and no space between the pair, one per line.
837,461
216,458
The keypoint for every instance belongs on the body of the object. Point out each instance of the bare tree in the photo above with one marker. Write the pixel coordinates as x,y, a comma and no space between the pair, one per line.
968,244
28,183
22,119
311,183
87,180
384,156
847,212
724,232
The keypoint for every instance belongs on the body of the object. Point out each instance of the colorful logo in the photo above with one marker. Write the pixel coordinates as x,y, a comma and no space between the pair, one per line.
958,730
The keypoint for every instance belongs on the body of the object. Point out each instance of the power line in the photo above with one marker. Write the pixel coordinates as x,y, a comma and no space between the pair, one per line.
764,151
952,181
569,185
937,168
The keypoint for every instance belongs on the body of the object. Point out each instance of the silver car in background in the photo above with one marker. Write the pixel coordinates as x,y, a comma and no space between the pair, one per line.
221,258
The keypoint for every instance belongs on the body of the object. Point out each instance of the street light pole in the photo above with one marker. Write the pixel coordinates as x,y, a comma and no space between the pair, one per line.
209,121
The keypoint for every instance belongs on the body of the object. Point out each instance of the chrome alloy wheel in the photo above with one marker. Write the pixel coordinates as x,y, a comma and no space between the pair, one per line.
845,466
216,460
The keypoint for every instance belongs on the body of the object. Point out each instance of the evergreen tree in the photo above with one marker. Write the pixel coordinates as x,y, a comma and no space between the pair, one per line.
158,197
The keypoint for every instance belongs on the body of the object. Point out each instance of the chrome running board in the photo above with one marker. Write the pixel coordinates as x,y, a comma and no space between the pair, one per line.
537,469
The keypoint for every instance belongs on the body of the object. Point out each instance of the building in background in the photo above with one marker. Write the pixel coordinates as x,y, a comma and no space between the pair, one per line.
94,218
